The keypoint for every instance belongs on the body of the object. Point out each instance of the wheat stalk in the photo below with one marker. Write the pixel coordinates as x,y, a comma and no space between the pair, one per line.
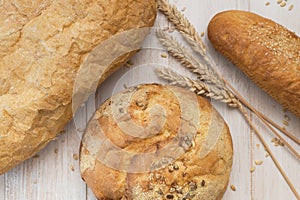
182,25
216,83
199,87
186,58
215,88
190,34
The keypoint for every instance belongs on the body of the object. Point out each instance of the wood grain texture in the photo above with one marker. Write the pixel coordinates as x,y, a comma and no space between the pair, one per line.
50,176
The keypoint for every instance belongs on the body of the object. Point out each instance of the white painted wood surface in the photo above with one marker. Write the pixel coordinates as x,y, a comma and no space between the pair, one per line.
55,173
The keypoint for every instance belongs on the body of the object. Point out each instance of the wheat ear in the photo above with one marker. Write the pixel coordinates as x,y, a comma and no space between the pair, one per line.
182,24
199,87
190,34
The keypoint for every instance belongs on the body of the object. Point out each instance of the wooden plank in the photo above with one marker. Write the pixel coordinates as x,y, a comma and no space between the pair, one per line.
240,177
2,187
267,177
50,175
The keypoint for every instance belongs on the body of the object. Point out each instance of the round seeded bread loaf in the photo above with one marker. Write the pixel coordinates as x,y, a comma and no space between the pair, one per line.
156,142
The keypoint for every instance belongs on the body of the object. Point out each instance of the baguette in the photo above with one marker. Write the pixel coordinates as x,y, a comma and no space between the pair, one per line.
265,51
156,142
43,44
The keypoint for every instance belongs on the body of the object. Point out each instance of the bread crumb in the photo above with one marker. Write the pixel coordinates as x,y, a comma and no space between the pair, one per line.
287,118
267,3
36,156
183,9
56,150
75,156
257,145
163,55
267,154
291,7
233,188
72,168
129,64
259,162
252,169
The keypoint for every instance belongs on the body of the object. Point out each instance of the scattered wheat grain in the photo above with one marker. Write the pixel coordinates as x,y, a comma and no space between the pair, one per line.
252,169
233,188
75,156
259,162
164,55
283,4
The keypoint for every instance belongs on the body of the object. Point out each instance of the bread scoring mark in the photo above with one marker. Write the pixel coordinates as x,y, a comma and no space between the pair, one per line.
124,160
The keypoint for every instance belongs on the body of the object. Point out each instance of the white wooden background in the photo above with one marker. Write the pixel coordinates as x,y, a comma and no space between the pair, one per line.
54,174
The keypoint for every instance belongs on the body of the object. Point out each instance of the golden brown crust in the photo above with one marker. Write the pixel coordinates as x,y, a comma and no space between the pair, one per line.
264,50
43,44
202,169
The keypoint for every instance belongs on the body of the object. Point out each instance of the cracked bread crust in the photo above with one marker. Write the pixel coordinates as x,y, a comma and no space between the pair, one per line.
265,51
191,175
43,44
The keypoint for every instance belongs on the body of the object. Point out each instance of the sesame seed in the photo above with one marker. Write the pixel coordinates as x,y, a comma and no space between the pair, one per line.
202,34
172,190
267,3
176,167
291,7
279,1
203,183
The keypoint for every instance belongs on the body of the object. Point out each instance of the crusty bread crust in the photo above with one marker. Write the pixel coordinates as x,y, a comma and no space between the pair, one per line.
264,50
196,174
43,44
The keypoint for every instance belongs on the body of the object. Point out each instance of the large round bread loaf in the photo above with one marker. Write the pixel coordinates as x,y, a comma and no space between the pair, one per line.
156,142
264,50
43,43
